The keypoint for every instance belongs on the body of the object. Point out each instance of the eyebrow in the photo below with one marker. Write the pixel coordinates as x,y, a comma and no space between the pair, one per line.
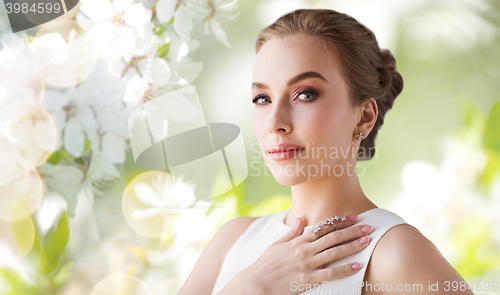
299,77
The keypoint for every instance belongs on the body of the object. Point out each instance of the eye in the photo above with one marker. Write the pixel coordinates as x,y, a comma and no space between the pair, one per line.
307,95
257,98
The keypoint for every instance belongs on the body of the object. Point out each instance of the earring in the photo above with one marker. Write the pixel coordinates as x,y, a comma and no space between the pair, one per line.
360,136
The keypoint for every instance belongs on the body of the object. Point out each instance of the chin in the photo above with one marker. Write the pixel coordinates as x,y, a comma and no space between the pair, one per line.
286,178
289,180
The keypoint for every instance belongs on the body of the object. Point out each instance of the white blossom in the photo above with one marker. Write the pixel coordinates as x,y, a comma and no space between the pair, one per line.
217,9
95,111
64,63
183,23
165,10
182,71
77,118
94,80
20,77
27,130
188,10
115,23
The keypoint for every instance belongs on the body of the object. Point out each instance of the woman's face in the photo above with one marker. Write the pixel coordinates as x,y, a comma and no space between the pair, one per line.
308,110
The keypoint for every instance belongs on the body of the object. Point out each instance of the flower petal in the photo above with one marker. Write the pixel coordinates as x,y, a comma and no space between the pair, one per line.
219,32
137,15
96,9
190,69
86,117
159,71
114,147
113,42
100,167
54,100
74,140
183,23
121,5
165,10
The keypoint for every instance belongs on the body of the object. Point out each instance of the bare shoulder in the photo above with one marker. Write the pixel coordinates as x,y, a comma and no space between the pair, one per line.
405,258
403,244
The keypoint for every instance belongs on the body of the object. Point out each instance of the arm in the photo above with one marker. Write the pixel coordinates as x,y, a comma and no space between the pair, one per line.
206,270
404,257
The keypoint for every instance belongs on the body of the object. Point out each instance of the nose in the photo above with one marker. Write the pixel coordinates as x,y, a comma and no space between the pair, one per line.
279,121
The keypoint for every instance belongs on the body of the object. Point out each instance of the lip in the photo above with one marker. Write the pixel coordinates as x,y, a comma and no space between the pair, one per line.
283,151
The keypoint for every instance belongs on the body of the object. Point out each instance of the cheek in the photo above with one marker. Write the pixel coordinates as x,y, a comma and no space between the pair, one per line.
254,122
325,125
258,124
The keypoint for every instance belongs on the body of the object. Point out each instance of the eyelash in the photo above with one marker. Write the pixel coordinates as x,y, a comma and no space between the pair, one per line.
313,92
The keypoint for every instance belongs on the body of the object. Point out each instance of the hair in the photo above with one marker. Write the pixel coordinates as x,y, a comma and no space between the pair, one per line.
368,70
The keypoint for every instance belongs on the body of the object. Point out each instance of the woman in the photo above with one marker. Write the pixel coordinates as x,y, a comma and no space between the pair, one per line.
321,88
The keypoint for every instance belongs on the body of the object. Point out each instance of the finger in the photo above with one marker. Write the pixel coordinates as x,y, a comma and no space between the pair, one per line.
333,273
295,231
326,229
339,224
338,252
341,236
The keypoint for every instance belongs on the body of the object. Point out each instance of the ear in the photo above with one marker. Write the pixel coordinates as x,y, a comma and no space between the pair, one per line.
368,117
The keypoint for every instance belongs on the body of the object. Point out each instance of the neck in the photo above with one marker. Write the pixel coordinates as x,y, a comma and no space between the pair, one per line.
326,196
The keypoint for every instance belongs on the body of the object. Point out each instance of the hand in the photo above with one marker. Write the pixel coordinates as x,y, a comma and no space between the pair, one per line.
300,258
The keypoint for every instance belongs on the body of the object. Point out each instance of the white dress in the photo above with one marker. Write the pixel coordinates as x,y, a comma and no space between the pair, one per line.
266,229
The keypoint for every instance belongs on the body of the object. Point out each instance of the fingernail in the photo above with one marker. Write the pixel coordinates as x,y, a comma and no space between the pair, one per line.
364,239
296,221
366,229
353,218
356,266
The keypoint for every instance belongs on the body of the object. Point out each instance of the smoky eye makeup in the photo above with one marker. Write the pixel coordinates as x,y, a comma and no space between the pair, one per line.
303,94
256,98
